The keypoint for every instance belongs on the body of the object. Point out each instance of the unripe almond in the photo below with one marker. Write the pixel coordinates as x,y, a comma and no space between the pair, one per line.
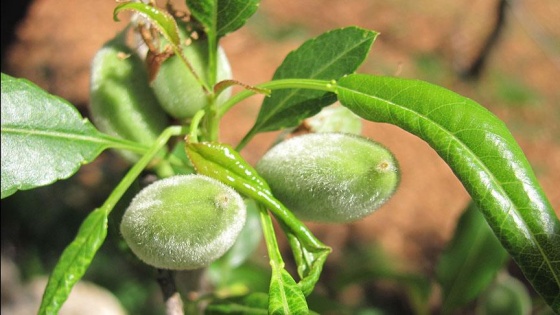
335,118
121,101
183,222
177,89
330,177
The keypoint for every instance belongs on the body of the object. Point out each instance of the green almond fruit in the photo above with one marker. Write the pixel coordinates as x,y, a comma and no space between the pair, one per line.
177,89
183,222
121,101
335,118
330,177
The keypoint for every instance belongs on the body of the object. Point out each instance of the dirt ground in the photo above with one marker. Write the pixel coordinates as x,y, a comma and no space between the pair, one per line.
58,39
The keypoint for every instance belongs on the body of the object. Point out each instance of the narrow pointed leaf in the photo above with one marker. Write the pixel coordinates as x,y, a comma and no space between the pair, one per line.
326,57
484,156
74,261
285,297
44,138
162,20
470,262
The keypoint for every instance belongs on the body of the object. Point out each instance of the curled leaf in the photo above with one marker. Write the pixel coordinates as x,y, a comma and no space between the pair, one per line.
484,156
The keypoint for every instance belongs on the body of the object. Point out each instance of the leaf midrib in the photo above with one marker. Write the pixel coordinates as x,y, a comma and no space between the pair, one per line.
54,134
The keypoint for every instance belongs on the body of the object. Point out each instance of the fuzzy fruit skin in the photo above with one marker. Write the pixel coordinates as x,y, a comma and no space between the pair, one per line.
121,101
330,177
183,222
176,88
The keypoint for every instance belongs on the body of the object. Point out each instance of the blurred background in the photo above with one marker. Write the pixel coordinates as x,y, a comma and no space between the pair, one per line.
503,54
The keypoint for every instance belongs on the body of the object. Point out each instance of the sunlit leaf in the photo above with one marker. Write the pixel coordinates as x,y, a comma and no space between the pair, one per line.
327,57
285,297
232,14
223,16
484,156
44,138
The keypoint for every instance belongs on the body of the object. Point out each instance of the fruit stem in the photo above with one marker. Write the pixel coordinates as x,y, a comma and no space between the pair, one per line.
124,144
270,237
310,84
195,122
212,119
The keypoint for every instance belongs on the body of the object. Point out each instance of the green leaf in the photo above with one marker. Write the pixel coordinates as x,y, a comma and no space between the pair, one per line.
309,261
327,57
162,20
44,138
222,16
285,297
232,14
484,156
74,261
470,261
